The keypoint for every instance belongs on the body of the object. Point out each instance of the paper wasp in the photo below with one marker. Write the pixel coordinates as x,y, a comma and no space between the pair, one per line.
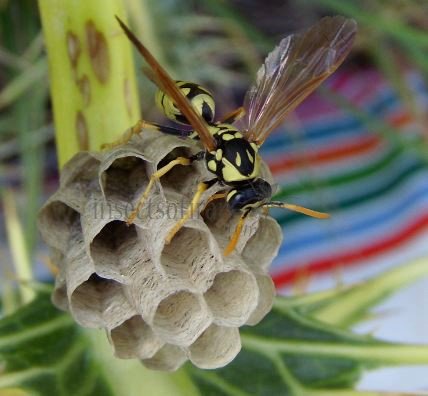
294,69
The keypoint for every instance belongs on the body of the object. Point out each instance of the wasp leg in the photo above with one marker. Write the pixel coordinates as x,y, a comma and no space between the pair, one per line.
216,196
126,137
156,176
235,236
189,212
233,116
297,208
139,126
167,129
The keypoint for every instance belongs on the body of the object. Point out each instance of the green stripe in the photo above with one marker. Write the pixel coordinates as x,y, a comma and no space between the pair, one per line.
307,186
384,163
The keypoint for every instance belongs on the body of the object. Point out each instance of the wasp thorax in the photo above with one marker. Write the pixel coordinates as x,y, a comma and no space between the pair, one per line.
235,160
201,100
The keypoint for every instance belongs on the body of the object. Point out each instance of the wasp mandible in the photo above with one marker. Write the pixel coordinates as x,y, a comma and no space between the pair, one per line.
293,70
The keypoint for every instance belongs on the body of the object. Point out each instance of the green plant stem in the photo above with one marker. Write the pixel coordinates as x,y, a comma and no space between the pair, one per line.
302,300
129,377
92,74
22,82
353,304
141,15
382,354
18,246
8,299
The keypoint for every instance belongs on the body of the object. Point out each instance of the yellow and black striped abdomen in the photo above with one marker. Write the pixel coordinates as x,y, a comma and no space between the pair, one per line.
200,98
235,160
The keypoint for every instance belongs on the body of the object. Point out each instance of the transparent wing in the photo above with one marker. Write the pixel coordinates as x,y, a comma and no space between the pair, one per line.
162,79
298,65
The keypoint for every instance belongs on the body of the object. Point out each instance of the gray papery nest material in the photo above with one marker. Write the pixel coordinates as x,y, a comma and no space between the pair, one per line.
159,303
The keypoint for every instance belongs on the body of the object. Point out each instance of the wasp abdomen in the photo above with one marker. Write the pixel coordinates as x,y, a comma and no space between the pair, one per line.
200,98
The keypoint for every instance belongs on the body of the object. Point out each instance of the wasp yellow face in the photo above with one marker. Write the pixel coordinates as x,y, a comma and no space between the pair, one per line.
235,160
200,98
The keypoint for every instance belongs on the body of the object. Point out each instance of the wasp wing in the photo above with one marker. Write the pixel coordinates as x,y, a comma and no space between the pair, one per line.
162,79
294,69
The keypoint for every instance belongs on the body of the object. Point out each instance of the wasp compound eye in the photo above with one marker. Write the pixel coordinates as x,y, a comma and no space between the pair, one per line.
251,195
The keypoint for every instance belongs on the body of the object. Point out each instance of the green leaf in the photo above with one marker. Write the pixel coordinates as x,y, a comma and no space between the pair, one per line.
43,352
290,354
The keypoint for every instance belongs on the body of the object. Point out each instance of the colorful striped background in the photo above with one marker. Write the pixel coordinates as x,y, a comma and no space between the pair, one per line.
333,159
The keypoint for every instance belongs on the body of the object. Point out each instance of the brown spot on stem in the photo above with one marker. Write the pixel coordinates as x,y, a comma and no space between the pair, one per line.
73,48
85,89
82,131
127,95
98,52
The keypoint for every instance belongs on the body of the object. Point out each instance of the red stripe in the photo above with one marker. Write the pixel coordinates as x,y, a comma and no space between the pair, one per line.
356,147
353,256
359,146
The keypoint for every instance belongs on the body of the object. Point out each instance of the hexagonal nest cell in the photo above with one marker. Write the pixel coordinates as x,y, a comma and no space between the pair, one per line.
190,258
161,303
124,177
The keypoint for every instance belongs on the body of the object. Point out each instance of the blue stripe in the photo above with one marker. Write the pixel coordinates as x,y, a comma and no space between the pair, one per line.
388,214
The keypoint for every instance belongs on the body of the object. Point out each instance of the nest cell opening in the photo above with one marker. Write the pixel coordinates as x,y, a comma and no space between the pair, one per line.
217,215
268,235
221,221
113,242
216,347
232,297
180,318
125,179
168,358
92,298
189,258
181,178
134,339
58,224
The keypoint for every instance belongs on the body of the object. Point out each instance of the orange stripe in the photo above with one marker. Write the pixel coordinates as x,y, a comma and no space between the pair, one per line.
400,119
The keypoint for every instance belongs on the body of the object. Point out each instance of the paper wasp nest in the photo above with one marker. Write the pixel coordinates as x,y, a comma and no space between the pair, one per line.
159,303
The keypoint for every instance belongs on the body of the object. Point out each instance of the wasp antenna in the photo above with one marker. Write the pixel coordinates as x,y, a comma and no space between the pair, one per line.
298,208
125,28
